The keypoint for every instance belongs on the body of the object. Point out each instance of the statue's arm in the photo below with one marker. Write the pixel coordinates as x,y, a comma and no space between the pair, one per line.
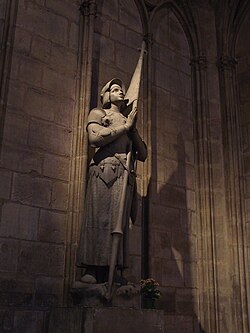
100,135
139,145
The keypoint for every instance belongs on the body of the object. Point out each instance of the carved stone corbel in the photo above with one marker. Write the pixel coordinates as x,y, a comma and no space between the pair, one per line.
226,63
88,7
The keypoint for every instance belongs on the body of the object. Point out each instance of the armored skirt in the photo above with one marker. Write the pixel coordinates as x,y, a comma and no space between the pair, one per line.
103,202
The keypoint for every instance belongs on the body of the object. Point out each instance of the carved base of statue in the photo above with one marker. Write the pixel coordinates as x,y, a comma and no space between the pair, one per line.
96,294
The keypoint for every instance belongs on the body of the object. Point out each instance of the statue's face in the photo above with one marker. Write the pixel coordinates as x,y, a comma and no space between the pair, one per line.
116,93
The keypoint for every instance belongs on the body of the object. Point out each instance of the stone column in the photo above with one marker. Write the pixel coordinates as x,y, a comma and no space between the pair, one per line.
8,9
147,165
234,189
207,272
79,156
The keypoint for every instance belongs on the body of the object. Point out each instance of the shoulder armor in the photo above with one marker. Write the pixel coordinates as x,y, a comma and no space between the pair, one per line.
95,116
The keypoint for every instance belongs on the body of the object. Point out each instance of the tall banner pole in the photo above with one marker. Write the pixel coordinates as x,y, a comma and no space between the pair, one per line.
131,98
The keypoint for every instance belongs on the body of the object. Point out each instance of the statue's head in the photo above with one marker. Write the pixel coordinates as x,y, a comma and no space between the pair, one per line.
105,92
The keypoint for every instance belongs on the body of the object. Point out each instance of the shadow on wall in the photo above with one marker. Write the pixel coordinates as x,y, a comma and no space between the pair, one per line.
171,241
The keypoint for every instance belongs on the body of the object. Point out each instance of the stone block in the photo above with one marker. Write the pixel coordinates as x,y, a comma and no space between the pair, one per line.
69,10
60,196
102,26
39,104
187,85
32,190
117,31
48,291
164,218
177,38
167,171
58,83
172,273
126,63
20,159
6,318
188,222
64,112
160,244
175,323
168,56
184,300
41,49
105,320
173,196
10,299
63,60
161,27
28,322
135,240
52,227
5,183
169,79
185,245
19,221
42,22
64,320
55,166
8,255
167,300
9,157
16,128
104,48
15,65
16,96
129,16
30,72
110,9
133,273
186,129
15,283
162,100
41,259
22,41
191,204
49,137
190,274
73,36
133,39
182,108
30,162
190,176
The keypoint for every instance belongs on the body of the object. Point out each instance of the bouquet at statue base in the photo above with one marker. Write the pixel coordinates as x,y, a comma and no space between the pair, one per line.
150,293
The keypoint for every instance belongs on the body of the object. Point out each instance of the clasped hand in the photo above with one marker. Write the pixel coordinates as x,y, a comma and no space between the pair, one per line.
131,120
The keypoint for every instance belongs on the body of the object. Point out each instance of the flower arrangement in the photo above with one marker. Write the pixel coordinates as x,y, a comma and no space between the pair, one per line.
149,289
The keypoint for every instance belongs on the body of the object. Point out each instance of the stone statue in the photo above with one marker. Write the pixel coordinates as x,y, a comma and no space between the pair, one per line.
114,136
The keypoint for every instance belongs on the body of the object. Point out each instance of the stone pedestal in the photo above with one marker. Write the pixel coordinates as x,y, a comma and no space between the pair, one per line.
105,320
87,295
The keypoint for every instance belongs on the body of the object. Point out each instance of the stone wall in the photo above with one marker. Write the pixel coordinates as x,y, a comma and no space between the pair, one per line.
34,171
172,224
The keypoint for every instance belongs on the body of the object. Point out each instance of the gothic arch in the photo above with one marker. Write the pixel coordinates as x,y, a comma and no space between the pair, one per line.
185,17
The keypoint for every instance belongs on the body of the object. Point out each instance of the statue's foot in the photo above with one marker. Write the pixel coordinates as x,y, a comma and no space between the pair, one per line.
88,278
